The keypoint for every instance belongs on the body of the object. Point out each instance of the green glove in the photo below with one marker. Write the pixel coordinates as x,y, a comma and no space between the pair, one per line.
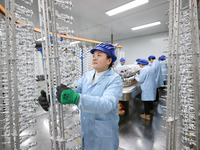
69,97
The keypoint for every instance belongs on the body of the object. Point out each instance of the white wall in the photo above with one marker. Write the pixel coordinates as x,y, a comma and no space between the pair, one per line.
142,47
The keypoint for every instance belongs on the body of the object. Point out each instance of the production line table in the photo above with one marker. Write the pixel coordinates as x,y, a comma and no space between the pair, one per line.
128,98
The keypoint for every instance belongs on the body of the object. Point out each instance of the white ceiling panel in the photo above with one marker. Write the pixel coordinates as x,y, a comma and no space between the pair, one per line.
91,22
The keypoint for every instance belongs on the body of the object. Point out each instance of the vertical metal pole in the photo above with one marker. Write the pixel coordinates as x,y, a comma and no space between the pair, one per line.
82,62
169,85
45,62
50,81
8,46
173,74
176,96
195,55
57,69
2,116
3,100
176,77
14,63
48,49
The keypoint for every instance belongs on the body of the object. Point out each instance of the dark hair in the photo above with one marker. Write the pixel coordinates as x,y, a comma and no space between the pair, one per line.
111,62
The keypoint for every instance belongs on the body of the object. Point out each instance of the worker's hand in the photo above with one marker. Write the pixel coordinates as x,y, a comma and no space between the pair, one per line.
137,76
43,101
66,95
60,89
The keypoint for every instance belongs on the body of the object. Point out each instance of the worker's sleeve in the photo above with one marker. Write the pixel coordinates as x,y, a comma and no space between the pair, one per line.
141,77
78,85
105,103
154,67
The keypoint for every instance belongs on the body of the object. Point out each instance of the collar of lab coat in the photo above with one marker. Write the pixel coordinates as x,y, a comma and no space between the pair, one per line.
106,73
145,66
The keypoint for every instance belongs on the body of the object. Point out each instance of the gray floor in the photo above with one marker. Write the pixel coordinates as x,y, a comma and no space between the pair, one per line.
134,133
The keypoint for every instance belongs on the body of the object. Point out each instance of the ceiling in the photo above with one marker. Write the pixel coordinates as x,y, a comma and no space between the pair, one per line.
91,22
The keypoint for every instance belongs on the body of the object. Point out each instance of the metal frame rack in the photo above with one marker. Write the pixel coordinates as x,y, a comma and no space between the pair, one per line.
183,89
17,78
64,63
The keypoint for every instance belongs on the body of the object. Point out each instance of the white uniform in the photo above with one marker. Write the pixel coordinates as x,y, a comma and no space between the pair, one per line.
158,73
99,110
148,84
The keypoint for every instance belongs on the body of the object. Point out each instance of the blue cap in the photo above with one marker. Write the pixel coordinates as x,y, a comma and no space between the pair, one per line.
138,59
122,59
106,48
143,62
162,57
151,57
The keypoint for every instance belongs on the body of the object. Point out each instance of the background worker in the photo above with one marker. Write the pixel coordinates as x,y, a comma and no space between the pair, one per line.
136,61
158,74
163,62
148,87
121,63
97,96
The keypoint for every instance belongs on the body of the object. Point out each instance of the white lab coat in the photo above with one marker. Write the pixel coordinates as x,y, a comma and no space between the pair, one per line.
164,69
148,84
99,110
158,73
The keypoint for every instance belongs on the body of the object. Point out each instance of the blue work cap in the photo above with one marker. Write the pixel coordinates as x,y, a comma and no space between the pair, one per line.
106,48
143,62
151,57
162,57
138,59
122,59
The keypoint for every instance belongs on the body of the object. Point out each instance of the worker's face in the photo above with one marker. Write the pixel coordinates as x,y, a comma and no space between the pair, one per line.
141,66
100,62
122,63
151,60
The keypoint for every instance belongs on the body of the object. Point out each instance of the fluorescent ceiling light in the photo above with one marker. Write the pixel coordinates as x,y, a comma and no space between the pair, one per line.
125,7
146,25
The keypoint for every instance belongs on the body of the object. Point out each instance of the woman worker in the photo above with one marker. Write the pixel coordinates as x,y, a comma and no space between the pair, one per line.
148,87
97,96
